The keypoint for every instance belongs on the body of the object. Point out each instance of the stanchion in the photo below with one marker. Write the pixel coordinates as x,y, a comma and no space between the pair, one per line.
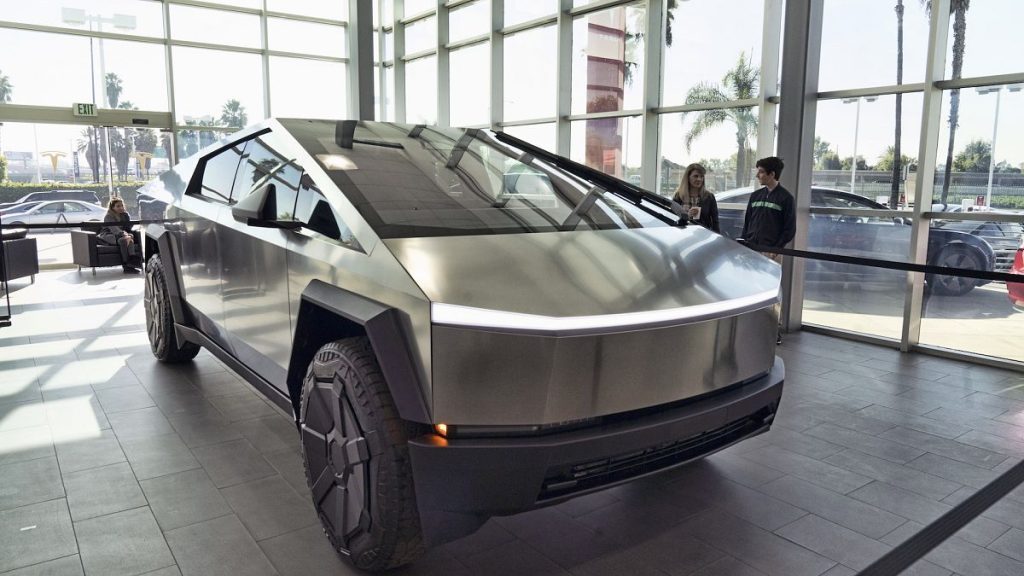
5,312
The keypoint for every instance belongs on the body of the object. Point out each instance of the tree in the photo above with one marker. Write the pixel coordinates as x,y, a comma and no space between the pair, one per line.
820,149
740,83
975,157
958,8
830,161
90,146
233,114
6,89
113,88
887,163
896,155
847,163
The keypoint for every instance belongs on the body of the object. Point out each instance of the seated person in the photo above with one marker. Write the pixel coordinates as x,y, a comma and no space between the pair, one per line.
116,232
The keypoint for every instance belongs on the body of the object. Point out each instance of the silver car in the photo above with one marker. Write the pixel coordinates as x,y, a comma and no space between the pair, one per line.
462,325
53,212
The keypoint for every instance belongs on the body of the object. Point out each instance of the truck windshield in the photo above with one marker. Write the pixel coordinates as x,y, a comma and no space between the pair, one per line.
414,181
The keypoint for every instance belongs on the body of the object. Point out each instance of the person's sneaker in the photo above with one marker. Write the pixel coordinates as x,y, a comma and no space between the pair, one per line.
778,339
130,270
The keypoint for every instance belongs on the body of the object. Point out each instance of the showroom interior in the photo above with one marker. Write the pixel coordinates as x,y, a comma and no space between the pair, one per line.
899,122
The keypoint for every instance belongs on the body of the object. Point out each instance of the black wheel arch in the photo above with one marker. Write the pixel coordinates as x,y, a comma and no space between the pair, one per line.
940,239
328,313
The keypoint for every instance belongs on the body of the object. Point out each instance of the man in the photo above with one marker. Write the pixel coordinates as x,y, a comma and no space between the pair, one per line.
770,220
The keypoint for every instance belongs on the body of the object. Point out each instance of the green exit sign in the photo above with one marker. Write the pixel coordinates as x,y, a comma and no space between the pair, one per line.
84,109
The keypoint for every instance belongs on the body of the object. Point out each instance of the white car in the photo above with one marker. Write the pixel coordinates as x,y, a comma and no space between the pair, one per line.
53,212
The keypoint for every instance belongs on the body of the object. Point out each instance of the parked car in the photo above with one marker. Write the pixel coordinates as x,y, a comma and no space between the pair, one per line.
53,212
1016,289
87,196
1003,237
461,325
881,238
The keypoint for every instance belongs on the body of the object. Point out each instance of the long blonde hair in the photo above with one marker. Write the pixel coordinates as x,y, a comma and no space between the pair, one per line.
683,193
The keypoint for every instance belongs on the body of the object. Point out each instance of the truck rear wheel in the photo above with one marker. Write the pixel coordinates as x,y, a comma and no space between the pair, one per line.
355,451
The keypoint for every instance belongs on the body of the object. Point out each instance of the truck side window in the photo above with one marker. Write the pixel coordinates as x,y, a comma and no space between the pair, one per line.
313,210
219,173
260,165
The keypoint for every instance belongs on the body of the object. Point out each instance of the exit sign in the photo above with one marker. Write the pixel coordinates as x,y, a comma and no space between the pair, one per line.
84,109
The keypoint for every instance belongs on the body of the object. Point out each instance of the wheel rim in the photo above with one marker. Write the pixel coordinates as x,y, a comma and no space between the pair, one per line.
955,259
153,301
336,457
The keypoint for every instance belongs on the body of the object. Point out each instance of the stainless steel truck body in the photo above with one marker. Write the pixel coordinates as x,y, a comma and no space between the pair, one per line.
461,325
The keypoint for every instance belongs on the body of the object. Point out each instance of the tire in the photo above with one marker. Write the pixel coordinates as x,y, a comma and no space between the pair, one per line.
954,256
15,223
356,456
159,322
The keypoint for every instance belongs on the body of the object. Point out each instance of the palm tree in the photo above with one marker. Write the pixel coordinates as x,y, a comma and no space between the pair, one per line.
6,88
897,169
740,83
958,8
233,114
114,89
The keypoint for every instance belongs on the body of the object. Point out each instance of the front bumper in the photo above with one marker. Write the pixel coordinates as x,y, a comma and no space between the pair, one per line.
462,482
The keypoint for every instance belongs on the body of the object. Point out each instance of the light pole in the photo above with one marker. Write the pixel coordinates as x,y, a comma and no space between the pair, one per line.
995,129
856,129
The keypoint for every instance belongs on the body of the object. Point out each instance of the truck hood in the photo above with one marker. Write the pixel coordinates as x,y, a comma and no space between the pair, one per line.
587,280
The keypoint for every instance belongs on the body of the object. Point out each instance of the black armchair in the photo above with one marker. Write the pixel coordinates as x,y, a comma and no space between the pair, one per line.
21,258
89,251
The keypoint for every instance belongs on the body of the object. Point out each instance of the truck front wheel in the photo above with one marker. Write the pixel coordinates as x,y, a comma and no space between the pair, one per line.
355,450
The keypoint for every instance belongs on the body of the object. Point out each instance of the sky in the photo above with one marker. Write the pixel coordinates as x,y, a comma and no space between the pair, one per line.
858,51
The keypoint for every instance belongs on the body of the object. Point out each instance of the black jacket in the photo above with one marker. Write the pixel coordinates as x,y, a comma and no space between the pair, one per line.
708,211
770,219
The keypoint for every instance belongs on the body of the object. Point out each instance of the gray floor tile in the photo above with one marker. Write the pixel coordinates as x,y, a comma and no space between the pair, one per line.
742,470
513,559
35,533
218,547
992,443
843,510
944,429
122,377
184,498
821,473
561,538
174,404
66,566
954,449
104,490
1010,544
203,429
746,503
29,482
982,531
75,416
728,566
232,462
289,465
89,452
902,502
833,541
22,415
153,456
491,535
305,552
960,472
242,406
269,507
169,571
1009,512
124,398
588,503
900,403
866,443
966,558
143,423
123,544
217,384
896,474
754,546
24,444
269,434
20,385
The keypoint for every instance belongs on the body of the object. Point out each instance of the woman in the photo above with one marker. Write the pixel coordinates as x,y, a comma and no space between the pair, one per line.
117,233
698,203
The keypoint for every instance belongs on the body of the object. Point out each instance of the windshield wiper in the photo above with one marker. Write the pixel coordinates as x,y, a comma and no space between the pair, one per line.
633,193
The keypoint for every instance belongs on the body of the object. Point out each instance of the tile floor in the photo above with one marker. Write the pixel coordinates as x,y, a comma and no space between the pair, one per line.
112,464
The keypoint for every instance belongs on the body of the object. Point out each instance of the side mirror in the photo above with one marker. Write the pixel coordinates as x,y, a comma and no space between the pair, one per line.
260,208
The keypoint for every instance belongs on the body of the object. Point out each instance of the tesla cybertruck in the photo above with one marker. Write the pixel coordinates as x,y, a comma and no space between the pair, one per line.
462,325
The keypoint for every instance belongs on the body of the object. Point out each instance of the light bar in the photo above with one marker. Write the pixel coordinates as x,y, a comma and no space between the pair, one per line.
455,315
